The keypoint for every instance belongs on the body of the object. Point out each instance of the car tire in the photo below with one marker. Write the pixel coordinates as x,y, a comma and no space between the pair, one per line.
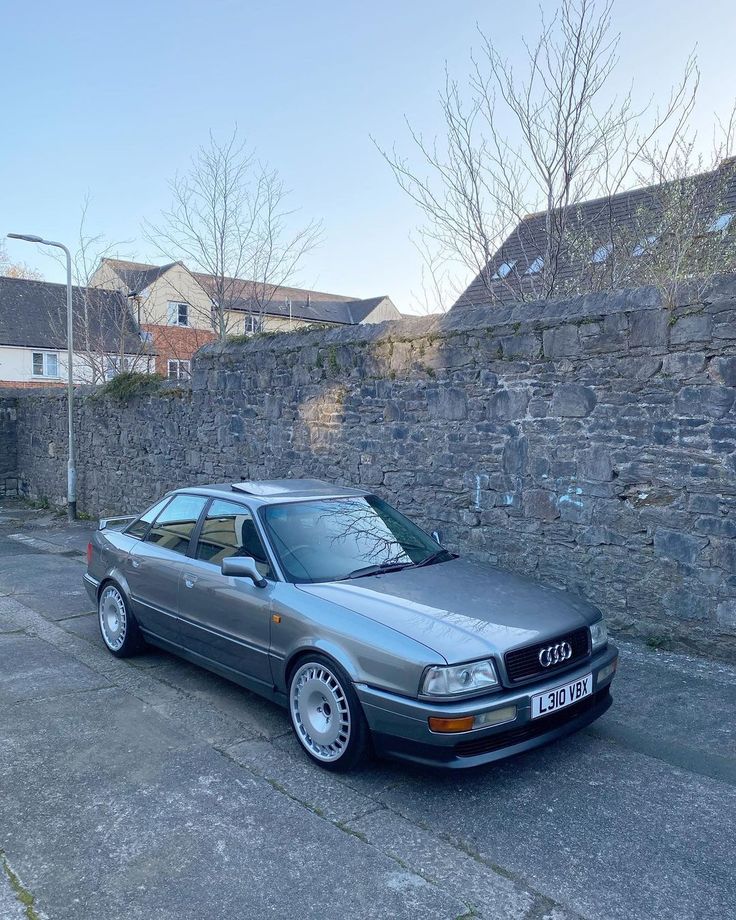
326,714
118,627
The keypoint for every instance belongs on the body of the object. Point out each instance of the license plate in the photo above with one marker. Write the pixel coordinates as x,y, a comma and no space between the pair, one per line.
552,700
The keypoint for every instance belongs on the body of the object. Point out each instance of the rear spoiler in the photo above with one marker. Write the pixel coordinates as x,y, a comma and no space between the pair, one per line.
106,522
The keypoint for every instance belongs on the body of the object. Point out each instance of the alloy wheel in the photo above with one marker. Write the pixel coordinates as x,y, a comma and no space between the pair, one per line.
113,618
320,711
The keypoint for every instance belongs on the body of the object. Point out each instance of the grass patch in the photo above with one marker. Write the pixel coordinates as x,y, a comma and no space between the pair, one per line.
130,385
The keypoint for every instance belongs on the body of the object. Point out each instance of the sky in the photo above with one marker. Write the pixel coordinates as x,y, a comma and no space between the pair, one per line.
110,100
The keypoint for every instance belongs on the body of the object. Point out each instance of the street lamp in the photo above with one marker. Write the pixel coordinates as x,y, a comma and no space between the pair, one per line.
71,479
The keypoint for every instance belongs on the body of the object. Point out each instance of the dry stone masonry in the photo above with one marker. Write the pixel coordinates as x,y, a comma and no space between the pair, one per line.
590,442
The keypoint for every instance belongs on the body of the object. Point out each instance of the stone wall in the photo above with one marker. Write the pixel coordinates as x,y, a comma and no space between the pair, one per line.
590,442
8,446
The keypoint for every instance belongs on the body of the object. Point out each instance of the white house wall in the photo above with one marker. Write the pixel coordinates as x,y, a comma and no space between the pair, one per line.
16,366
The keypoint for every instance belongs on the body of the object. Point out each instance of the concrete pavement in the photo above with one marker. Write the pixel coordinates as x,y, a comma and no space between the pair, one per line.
149,788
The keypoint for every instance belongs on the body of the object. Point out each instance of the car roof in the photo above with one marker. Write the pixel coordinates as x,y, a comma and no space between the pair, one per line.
273,491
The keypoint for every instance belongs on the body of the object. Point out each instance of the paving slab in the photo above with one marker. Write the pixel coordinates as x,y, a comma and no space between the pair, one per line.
318,790
123,817
594,826
49,584
490,894
261,716
688,730
85,626
13,548
31,669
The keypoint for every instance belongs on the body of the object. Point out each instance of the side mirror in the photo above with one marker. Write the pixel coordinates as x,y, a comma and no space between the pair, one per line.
437,537
243,567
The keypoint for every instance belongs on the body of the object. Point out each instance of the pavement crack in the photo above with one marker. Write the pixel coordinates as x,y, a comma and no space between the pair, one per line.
22,894
542,903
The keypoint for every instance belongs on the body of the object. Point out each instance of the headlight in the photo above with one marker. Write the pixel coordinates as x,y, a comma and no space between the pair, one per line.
459,679
598,635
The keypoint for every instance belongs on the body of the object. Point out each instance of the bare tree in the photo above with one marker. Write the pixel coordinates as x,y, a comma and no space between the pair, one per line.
569,141
229,220
107,338
10,269
684,232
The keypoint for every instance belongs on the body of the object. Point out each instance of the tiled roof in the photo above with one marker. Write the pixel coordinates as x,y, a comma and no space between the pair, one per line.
588,221
344,312
33,314
137,276
307,305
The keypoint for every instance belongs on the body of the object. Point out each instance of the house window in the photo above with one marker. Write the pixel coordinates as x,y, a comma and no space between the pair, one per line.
720,224
45,364
601,254
146,337
179,370
178,314
503,270
114,366
643,246
536,266
252,324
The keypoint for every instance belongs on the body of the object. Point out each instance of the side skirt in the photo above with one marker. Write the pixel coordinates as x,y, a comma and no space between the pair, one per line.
263,689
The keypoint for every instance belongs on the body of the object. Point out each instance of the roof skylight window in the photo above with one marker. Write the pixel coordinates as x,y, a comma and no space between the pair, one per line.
643,246
720,224
504,270
535,267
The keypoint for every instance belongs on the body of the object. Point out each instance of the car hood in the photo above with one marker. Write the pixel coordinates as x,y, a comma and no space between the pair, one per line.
460,609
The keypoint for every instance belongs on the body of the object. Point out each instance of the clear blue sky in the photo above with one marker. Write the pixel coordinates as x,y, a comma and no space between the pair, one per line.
112,98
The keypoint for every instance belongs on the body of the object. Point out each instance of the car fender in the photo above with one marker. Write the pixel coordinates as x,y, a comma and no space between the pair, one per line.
321,644
116,574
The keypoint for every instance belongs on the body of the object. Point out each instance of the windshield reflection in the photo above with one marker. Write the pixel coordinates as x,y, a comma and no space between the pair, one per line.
333,539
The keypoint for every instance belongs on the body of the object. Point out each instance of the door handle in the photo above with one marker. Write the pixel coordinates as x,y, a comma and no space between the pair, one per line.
189,580
135,563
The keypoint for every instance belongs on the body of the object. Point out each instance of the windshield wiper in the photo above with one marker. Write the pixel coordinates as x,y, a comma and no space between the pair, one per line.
379,569
433,557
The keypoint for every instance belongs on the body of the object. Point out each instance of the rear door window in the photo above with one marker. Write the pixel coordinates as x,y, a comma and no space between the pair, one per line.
138,528
173,527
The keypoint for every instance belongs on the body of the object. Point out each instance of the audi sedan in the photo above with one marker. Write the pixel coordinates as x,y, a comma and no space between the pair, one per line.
330,602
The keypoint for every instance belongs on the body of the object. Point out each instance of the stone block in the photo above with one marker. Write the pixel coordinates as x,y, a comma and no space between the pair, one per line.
693,327
595,464
680,547
704,401
514,456
683,364
572,400
724,554
561,341
726,613
508,404
447,403
648,328
523,345
723,371
541,504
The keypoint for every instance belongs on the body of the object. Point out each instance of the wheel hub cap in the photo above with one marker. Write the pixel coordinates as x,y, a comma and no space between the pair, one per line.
320,712
112,618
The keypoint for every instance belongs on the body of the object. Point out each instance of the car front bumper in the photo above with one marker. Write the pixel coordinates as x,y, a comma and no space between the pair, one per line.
400,725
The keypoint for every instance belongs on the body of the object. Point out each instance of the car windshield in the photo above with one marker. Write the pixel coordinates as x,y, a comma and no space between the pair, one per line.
341,538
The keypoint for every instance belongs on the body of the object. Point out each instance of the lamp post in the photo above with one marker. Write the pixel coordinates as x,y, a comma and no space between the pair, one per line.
71,478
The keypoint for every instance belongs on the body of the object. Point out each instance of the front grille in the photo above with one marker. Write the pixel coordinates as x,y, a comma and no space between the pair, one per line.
531,729
523,663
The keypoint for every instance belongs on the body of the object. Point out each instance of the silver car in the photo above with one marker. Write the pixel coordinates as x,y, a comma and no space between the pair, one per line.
330,602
